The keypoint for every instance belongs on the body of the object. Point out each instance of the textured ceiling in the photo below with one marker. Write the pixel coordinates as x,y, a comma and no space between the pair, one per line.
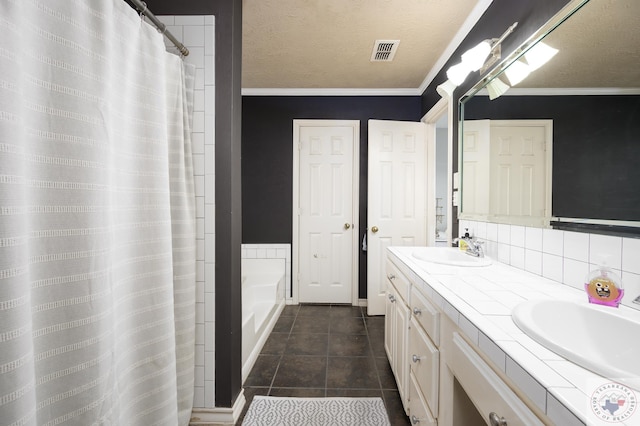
319,44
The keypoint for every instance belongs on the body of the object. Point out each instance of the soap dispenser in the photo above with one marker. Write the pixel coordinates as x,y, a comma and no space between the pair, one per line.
604,287
463,243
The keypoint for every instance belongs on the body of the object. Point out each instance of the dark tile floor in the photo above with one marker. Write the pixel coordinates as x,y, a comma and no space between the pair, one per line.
325,351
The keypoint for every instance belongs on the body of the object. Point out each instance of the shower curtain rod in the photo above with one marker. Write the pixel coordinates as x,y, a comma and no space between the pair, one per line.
162,28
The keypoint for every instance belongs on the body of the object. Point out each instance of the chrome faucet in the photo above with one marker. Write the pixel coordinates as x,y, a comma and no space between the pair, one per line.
475,247
637,300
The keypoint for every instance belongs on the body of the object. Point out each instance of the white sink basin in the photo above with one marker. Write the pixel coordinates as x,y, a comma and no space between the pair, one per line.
449,256
597,338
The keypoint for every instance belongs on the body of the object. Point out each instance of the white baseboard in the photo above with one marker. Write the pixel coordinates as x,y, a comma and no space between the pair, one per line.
218,416
362,302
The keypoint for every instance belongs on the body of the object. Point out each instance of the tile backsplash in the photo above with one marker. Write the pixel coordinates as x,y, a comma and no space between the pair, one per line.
563,256
271,251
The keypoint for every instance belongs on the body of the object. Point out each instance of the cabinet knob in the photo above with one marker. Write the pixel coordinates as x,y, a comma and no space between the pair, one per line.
414,420
392,298
496,420
374,229
416,358
417,311
391,277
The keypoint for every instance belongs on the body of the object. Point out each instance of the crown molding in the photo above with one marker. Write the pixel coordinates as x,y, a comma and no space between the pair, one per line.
330,92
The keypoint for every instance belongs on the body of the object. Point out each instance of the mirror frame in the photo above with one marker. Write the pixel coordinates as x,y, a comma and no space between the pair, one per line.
610,227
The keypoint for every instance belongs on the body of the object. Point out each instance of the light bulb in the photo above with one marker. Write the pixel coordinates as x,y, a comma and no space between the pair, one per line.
496,88
446,89
474,58
458,73
516,72
539,55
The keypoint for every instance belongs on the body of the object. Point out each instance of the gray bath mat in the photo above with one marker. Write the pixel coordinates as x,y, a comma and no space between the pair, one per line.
277,411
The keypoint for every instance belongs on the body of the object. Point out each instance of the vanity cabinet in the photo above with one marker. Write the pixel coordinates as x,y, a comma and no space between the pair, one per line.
443,378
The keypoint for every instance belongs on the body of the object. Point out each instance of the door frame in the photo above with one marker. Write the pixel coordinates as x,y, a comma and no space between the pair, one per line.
443,106
295,241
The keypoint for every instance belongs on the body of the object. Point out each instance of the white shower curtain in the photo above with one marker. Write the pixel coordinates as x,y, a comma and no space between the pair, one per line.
97,218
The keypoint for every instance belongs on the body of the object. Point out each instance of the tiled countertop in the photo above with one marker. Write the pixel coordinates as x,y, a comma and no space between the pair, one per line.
480,300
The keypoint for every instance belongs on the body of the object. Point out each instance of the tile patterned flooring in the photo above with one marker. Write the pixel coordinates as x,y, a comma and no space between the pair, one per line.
326,351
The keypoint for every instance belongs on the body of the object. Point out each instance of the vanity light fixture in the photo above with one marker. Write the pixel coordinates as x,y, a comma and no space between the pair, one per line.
496,88
480,57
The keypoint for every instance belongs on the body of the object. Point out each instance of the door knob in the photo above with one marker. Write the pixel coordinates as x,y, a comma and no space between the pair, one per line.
347,225
374,229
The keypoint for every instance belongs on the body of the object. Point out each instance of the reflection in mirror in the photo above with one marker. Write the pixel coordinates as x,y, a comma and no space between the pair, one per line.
560,147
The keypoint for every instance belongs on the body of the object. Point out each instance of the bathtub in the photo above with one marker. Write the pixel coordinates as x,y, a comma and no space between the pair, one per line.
263,288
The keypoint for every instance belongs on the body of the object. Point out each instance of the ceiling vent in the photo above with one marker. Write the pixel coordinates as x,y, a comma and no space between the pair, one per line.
384,50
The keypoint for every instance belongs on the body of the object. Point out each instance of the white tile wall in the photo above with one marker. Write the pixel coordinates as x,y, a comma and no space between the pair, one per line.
271,251
562,256
197,34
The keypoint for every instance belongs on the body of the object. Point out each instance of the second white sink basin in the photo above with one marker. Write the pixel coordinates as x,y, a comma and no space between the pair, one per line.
597,338
449,256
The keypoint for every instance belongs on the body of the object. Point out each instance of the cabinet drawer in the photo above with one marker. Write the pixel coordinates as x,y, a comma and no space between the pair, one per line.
426,315
398,280
419,413
424,359
486,389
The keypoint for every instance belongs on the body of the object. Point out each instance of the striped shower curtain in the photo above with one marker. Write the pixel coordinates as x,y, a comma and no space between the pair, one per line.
97,218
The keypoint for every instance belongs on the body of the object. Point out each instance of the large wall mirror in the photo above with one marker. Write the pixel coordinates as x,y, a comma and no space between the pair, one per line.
560,148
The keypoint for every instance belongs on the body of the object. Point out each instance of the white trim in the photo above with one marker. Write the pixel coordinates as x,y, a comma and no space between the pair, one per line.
566,91
295,281
430,119
330,92
629,223
464,30
220,415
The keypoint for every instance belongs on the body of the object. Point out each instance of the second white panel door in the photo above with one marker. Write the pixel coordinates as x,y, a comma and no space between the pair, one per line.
396,209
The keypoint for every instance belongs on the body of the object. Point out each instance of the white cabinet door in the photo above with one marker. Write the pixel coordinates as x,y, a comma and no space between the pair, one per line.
396,210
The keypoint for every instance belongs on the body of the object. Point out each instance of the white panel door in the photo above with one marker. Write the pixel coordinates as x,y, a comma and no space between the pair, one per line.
476,167
518,171
325,213
396,210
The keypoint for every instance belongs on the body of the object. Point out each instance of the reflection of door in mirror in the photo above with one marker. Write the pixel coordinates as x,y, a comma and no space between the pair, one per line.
510,157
